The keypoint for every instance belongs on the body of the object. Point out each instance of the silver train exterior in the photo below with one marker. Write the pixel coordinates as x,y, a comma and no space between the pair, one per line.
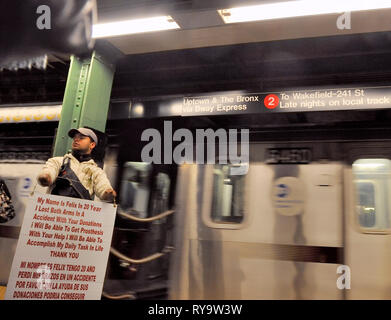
317,230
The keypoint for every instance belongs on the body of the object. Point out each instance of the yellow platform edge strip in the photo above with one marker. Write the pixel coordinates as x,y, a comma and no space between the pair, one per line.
2,292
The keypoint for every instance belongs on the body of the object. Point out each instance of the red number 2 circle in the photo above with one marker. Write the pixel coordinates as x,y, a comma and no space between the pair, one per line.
271,101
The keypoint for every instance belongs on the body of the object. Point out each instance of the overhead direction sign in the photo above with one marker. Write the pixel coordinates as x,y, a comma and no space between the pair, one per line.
242,102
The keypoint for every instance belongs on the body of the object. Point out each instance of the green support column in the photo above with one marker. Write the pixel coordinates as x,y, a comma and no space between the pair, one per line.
86,98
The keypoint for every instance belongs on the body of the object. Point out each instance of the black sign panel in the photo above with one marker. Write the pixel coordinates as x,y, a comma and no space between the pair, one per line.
289,101
241,102
288,156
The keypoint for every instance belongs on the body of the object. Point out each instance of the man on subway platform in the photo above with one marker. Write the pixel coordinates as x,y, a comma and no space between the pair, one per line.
76,174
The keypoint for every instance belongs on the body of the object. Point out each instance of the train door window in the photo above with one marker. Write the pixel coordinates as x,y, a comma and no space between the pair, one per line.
227,202
160,194
135,187
372,180
365,192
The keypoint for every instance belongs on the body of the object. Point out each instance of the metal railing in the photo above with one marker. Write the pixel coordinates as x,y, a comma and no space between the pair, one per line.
131,296
152,257
126,215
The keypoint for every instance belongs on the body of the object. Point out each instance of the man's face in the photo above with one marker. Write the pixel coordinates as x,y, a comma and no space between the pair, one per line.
82,143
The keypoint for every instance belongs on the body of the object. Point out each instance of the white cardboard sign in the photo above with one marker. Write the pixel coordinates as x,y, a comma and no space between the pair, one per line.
62,250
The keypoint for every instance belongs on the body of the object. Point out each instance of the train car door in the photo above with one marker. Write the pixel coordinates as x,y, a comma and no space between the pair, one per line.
368,223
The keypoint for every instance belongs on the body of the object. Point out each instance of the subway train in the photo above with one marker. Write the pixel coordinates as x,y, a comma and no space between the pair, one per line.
308,220
286,231
311,206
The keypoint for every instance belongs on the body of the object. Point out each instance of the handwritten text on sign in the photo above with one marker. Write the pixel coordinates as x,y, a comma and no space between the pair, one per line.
62,250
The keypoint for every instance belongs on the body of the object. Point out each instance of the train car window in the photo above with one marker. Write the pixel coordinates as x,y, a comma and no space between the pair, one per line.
372,180
227,203
135,187
160,193
366,204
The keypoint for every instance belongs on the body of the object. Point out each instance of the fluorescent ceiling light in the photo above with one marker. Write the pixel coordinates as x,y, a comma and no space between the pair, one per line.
298,8
119,28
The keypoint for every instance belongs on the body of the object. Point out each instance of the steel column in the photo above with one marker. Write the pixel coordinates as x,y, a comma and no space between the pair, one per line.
86,98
